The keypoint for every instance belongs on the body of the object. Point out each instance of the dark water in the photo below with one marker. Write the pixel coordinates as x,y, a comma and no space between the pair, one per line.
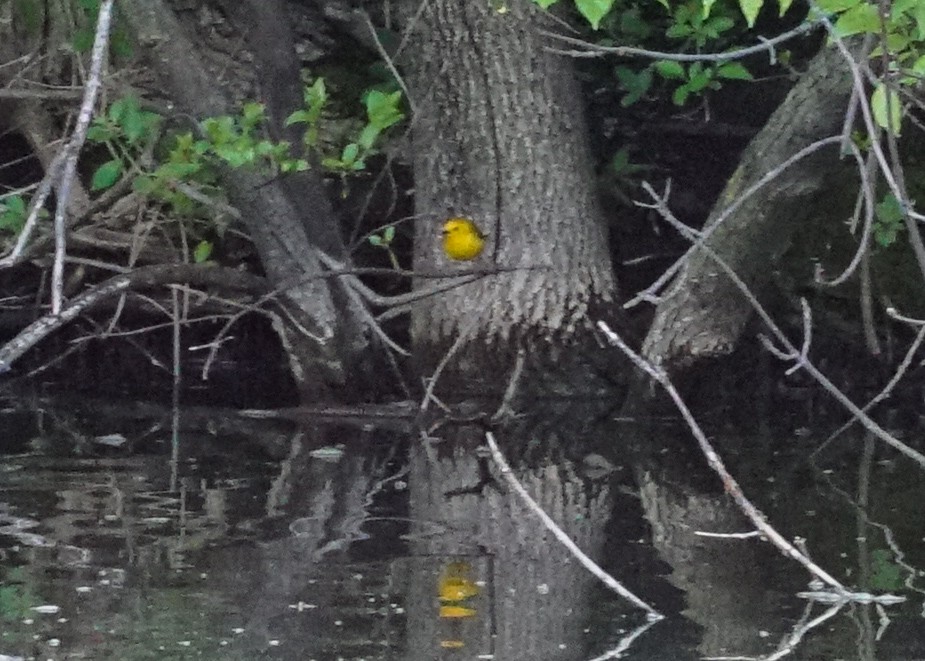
128,532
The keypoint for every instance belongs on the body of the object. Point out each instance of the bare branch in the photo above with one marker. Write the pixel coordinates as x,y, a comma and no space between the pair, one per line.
94,82
143,277
650,292
594,50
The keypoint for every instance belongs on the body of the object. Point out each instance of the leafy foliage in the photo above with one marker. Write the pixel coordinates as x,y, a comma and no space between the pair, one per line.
119,42
695,14
12,214
384,240
904,29
128,132
889,220
383,110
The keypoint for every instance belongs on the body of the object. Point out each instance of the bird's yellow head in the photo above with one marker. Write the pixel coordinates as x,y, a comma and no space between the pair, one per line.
462,239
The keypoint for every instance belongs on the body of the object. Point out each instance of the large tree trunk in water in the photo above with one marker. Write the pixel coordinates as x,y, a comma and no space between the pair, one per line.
499,136
704,313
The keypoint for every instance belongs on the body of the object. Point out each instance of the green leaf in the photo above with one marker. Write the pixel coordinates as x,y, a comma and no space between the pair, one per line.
622,167
219,130
733,71
670,70
349,155
316,94
594,10
707,7
716,26
178,171
862,19
368,136
382,109
139,125
375,240
679,97
700,80
634,26
296,165
836,6
121,107
635,83
100,132
106,175
545,4
918,67
784,5
202,252
298,117
145,185
678,31
888,118
13,214
750,9
389,233
83,40
889,210
899,7
919,18
252,115
886,573
236,154
16,204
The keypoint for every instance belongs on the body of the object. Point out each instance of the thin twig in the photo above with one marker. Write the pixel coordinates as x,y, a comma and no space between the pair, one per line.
887,389
867,195
505,409
388,60
458,343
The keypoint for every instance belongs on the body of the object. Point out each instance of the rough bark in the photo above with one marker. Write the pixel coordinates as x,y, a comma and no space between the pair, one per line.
278,226
499,136
703,314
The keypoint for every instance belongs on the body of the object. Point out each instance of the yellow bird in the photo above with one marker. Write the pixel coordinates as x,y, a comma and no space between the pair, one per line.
462,239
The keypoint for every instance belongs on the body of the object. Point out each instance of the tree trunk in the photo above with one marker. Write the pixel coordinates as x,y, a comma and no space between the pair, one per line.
499,136
285,234
704,313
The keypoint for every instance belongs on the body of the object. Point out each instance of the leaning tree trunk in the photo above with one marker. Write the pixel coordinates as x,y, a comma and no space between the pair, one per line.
499,136
287,223
704,312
